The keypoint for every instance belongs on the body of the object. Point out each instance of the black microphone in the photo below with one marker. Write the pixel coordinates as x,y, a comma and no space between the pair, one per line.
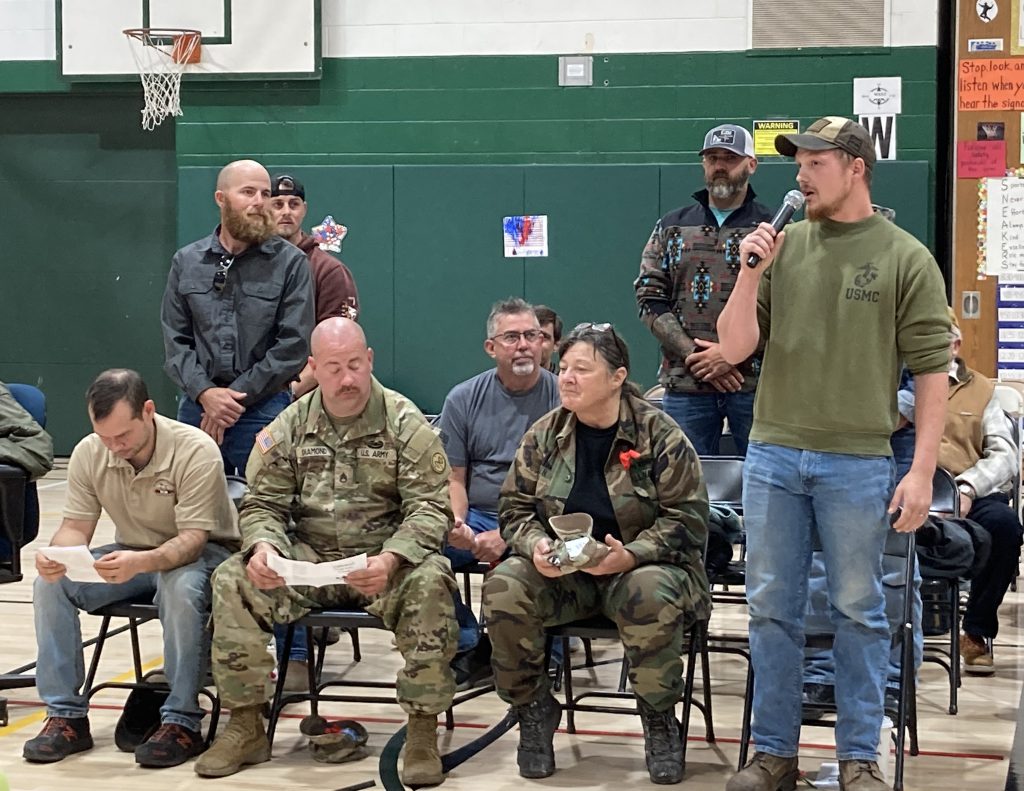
791,204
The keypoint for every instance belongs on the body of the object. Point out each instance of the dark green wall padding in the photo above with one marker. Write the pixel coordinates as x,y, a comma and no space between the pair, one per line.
425,246
96,207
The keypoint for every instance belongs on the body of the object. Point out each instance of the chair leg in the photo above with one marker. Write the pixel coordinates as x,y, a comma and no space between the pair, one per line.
748,704
570,703
954,645
357,654
588,653
705,669
101,639
282,673
133,628
623,674
691,666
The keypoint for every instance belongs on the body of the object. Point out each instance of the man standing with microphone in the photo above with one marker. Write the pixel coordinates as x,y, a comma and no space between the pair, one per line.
839,302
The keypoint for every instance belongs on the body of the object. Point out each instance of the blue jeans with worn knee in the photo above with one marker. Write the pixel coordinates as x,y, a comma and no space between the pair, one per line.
479,521
787,494
239,439
701,416
182,596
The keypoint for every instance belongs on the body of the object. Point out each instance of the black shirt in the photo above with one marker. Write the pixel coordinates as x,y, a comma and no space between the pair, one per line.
589,494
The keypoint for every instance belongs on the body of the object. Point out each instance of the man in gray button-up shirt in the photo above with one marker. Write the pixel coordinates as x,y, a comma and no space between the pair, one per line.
237,314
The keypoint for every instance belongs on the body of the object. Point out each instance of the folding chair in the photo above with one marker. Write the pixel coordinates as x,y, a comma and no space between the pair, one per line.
600,627
350,621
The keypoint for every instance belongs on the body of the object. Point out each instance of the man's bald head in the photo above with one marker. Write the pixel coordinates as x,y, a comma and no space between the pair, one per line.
336,331
342,364
239,171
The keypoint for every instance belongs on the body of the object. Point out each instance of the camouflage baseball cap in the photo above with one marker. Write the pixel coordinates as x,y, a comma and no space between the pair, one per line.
832,131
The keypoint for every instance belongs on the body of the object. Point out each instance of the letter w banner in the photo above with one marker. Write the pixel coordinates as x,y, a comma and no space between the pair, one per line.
882,129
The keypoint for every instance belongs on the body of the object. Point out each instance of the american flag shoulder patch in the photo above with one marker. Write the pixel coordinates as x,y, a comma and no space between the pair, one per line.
265,441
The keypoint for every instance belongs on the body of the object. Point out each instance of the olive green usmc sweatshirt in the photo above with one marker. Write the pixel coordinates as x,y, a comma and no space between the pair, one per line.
840,310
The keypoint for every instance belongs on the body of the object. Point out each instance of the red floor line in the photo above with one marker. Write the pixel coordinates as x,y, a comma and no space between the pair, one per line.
579,732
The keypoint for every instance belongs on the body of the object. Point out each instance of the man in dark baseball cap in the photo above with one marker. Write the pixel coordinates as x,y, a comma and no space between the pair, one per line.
832,131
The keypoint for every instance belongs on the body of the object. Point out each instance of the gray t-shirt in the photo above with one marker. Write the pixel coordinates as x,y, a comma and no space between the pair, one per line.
482,425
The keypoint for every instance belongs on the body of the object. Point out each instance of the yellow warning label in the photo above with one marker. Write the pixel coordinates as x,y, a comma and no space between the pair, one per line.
765,132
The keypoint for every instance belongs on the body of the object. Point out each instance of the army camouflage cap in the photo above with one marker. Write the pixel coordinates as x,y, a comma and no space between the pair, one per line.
832,131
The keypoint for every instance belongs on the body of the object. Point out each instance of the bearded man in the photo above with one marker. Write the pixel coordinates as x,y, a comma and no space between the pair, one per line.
237,314
687,272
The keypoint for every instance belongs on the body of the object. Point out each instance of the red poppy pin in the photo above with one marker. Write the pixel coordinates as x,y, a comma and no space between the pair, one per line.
626,458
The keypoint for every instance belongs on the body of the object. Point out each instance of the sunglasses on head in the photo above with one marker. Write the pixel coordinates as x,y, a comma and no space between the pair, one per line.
588,326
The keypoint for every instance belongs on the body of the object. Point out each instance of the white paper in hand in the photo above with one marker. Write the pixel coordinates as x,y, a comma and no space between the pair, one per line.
77,560
301,572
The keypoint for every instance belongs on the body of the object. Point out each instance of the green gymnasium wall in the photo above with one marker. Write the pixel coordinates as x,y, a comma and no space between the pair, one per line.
420,157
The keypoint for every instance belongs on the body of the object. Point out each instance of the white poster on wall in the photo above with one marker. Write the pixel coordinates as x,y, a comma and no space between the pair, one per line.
1004,231
877,95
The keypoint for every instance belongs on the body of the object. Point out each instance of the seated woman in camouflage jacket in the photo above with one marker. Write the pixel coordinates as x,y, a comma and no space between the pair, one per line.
609,454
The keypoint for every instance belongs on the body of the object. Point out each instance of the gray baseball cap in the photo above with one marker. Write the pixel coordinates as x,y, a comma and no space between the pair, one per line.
731,138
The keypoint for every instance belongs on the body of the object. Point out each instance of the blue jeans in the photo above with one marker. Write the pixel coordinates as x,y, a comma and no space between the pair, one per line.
787,493
478,521
239,439
819,666
701,418
182,596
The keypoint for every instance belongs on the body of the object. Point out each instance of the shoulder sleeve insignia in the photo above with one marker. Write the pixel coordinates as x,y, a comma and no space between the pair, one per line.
265,441
437,462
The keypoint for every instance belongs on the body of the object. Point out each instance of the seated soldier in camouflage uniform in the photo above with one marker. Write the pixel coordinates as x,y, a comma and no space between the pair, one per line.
609,454
359,470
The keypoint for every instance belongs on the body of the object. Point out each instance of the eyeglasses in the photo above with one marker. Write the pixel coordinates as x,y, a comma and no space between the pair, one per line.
220,277
511,338
547,336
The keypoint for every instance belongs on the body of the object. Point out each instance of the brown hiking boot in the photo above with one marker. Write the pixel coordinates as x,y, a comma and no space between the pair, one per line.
861,776
421,765
59,738
977,658
242,743
766,773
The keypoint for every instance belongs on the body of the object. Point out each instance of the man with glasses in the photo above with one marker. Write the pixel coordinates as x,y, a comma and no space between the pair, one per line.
334,288
687,272
482,422
236,316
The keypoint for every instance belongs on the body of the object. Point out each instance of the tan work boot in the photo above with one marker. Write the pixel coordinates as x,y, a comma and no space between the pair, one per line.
977,658
766,773
242,743
861,776
422,760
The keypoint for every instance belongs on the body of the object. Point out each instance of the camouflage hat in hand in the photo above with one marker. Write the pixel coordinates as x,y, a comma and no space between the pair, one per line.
335,741
575,547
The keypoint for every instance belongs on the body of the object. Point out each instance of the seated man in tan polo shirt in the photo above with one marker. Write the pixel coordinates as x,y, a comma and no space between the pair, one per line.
162,483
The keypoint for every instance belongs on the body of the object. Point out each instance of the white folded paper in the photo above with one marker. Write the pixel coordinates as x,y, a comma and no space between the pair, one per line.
301,572
78,561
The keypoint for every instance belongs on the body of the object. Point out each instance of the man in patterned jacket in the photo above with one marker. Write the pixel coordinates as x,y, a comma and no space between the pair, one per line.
359,470
687,272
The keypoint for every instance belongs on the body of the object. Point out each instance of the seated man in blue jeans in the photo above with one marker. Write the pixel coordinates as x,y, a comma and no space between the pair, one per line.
162,483
482,423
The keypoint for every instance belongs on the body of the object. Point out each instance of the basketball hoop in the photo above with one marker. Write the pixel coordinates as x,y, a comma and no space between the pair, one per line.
161,55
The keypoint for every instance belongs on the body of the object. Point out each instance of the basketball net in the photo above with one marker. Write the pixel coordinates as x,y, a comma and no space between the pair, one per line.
161,64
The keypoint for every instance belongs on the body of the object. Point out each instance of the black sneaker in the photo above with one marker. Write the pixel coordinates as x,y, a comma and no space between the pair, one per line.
171,745
59,738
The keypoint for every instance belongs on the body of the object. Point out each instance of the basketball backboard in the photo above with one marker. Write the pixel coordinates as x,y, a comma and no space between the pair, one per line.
242,39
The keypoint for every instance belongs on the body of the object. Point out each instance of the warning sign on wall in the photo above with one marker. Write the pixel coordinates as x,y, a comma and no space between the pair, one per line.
765,132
